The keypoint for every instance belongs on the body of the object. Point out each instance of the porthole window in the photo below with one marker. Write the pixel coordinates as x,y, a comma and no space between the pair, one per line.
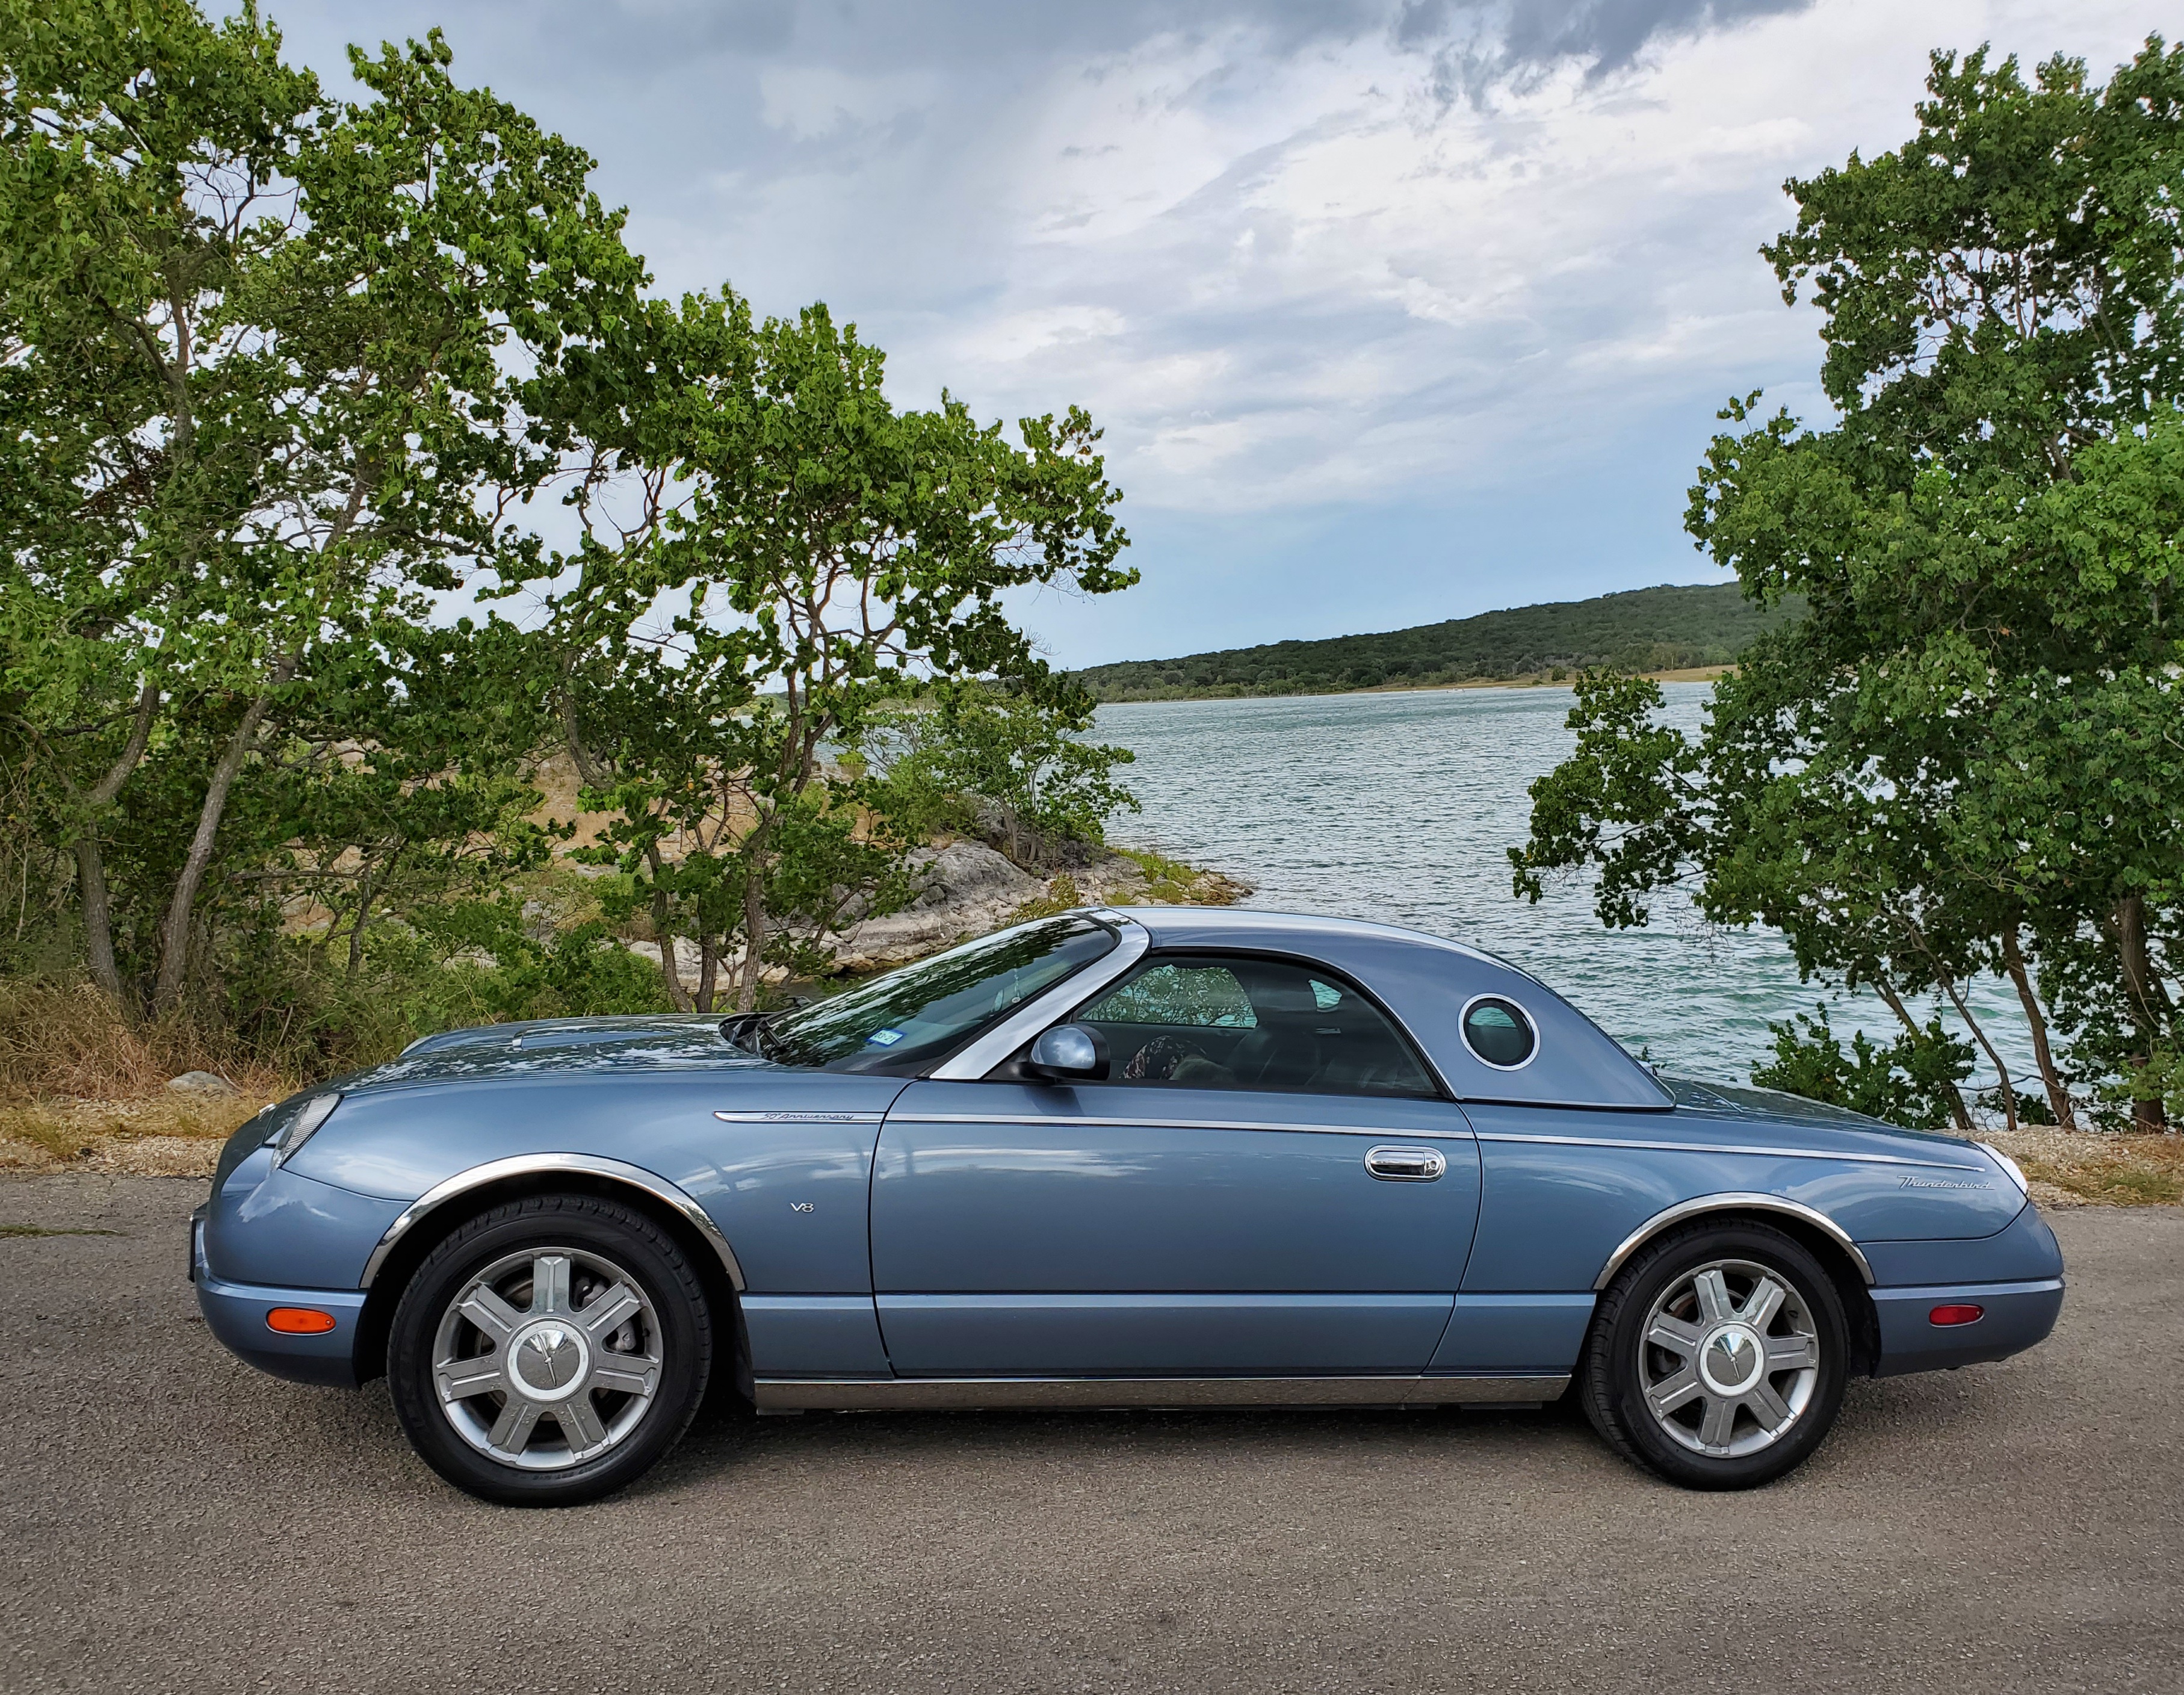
1499,1032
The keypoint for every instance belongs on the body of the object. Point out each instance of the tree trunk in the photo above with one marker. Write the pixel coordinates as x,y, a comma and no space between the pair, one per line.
2148,1115
92,892
709,966
175,928
754,924
98,915
1979,1035
367,889
677,996
2058,1096
1960,1115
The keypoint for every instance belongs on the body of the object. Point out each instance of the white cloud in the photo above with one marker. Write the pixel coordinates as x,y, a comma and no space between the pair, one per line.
1291,270
1360,253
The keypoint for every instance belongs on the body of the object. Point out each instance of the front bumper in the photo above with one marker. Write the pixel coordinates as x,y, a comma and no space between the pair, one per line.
235,1312
2016,1316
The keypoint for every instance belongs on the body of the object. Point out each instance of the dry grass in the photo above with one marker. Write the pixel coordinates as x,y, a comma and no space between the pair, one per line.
82,1090
2080,1168
157,1135
59,1042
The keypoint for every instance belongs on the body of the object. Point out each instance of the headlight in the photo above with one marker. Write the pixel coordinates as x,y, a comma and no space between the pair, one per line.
302,1126
2007,1164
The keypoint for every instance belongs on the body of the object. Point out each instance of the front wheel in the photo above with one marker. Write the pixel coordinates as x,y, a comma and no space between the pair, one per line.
549,1351
1719,1357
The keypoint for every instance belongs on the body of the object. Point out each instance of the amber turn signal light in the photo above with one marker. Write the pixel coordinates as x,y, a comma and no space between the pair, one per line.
1965,1314
309,1321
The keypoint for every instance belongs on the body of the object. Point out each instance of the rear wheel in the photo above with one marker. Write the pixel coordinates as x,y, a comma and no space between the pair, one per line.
1719,1357
550,1350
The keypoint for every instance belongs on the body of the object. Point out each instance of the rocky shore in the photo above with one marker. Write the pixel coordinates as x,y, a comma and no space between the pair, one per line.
966,889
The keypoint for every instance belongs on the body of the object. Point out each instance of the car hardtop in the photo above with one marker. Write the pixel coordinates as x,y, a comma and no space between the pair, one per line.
1173,928
1423,980
1430,984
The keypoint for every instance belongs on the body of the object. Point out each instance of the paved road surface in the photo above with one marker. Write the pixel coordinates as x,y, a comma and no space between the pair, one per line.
171,1521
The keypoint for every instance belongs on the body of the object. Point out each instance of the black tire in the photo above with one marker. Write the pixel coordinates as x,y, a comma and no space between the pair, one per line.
674,1321
1619,1362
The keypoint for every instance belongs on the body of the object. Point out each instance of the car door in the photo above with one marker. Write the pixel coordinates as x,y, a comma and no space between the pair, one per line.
1267,1184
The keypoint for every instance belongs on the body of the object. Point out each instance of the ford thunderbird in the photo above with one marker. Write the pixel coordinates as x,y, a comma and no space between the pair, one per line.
1158,1157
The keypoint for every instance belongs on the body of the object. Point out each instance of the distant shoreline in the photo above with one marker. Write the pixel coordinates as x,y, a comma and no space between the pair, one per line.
1687,632
1695,673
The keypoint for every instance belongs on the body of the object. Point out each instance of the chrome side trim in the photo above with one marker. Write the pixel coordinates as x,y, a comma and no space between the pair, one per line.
966,1394
1839,1156
1154,1121
989,1051
800,1117
1731,1203
536,1164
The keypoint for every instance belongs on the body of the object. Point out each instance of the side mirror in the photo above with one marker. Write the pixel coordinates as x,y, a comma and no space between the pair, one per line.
1068,1053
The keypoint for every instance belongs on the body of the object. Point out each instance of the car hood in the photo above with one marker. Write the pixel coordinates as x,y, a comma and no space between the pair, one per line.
668,1041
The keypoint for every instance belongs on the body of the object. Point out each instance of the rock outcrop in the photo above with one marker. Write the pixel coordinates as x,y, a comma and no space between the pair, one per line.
966,889
204,1083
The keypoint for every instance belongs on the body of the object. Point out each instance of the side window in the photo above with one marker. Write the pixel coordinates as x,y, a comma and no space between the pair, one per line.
1250,1023
1193,994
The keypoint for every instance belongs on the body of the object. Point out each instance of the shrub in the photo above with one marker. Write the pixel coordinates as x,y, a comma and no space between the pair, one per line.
1910,1082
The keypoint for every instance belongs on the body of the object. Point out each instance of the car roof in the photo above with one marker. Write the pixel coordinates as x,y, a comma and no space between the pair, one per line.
1429,983
1235,922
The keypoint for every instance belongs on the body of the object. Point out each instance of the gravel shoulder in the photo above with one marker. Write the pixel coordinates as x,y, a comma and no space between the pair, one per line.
171,1521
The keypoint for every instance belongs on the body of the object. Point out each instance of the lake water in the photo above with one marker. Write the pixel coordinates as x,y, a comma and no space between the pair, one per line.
1400,807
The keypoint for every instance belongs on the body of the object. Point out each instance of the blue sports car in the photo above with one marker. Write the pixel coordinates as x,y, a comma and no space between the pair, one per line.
1161,1157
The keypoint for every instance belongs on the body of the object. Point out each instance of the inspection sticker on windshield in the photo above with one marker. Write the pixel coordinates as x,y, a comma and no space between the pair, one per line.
883,1038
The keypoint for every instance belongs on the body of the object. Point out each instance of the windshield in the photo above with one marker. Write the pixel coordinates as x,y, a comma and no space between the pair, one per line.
900,1021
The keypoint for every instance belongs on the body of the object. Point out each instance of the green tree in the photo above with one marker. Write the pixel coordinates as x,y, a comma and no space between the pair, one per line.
1912,1081
1964,758
280,375
272,374
1022,750
774,553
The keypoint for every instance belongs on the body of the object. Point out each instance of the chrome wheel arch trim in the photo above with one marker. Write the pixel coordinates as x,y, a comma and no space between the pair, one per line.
550,1164
1700,1206
1133,940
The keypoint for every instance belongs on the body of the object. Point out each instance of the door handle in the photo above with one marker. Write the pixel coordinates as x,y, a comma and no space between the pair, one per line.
1405,1164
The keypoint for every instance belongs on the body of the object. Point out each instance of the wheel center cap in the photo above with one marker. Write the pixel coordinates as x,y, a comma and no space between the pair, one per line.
548,1360
1731,1359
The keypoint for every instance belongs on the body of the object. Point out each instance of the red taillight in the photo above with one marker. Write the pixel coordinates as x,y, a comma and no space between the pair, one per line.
300,1321
1964,1315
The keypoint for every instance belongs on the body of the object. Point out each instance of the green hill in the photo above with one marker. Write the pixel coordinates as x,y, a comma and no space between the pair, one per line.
1643,629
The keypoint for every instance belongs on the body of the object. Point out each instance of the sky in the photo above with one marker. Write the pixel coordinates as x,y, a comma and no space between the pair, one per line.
1392,311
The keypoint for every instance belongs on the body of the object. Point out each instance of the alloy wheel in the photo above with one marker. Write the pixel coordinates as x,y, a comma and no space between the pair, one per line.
1729,1359
548,1358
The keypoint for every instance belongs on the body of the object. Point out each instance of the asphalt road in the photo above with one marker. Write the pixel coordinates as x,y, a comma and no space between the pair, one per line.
171,1521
